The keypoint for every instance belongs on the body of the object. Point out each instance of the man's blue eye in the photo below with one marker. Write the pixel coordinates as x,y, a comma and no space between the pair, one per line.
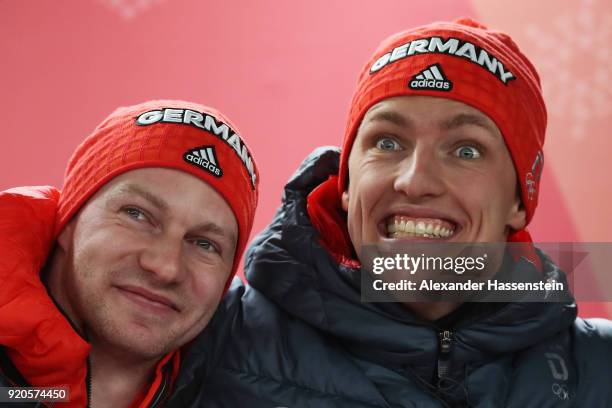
134,213
387,144
467,152
205,245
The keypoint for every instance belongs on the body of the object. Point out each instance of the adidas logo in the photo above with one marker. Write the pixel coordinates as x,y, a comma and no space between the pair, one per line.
432,78
205,158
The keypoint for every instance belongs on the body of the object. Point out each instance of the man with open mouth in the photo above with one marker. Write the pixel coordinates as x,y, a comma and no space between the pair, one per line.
443,144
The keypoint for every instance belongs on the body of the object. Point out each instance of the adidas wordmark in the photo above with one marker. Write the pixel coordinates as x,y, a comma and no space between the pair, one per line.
204,157
432,78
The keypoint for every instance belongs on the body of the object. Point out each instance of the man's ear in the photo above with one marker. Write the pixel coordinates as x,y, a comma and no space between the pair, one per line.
517,219
345,200
65,238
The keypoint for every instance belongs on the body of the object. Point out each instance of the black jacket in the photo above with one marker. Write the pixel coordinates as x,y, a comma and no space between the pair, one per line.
301,337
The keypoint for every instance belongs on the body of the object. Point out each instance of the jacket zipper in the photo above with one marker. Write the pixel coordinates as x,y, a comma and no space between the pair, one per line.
446,341
88,383
157,398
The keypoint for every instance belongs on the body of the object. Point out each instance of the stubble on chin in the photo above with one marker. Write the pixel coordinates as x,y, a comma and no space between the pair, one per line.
108,322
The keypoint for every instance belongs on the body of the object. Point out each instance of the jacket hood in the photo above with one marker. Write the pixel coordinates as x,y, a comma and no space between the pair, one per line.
310,275
36,336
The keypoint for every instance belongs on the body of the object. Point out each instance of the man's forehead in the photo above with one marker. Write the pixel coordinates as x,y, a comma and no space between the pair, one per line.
409,111
134,188
156,184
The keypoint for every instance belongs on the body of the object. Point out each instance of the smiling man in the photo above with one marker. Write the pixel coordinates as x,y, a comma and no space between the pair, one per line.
106,284
443,145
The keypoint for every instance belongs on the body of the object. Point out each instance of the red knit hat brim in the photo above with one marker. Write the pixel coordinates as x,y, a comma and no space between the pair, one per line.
163,134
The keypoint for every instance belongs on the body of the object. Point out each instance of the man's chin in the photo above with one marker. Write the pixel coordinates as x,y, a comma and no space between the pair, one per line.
140,342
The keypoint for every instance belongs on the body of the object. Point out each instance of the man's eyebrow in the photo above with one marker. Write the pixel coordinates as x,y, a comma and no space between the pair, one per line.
216,229
210,226
390,116
150,197
456,121
463,119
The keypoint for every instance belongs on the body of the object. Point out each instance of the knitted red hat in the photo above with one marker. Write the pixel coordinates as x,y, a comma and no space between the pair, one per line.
174,134
467,62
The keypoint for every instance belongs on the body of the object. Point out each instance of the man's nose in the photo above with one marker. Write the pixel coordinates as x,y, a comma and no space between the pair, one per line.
419,175
163,257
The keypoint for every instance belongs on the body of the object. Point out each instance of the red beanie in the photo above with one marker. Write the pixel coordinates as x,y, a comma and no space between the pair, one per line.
469,63
174,134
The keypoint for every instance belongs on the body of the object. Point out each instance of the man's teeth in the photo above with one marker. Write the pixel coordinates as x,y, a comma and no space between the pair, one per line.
397,228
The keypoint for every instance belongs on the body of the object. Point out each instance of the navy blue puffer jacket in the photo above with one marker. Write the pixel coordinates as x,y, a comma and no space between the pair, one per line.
301,337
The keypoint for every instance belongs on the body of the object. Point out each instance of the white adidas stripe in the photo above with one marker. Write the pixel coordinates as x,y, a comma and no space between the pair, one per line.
206,154
436,73
211,156
431,72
